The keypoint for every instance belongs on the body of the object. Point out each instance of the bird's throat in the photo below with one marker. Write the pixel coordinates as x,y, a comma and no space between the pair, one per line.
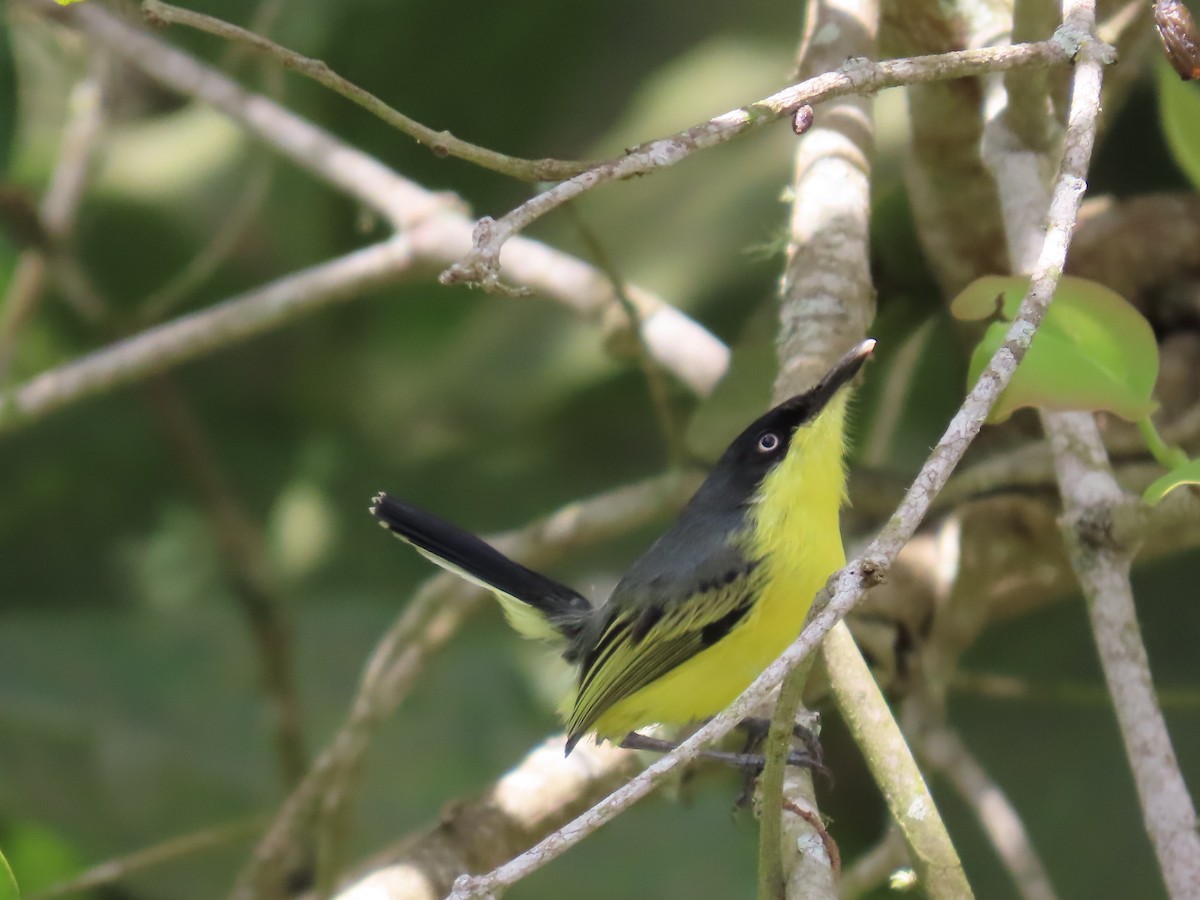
796,529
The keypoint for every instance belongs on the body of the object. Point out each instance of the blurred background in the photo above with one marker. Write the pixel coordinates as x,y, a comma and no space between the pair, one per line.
131,709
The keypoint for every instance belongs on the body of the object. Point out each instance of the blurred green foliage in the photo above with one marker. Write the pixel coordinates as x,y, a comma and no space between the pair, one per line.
1093,350
1179,102
130,710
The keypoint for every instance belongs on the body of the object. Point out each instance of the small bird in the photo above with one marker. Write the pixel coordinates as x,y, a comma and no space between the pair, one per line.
713,601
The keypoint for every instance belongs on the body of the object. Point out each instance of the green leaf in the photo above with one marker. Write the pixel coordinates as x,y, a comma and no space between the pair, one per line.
1179,114
1188,473
8,882
1094,351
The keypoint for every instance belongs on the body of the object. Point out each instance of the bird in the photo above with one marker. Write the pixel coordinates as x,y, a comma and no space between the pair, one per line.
712,602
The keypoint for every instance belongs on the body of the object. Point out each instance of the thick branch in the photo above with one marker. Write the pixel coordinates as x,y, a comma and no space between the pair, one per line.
199,333
542,793
1101,561
828,303
895,771
955,205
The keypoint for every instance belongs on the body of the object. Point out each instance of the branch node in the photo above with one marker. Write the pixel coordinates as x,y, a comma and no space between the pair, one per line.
1106,527
151,17
480,268
873,569
859,70
472,886
1078,41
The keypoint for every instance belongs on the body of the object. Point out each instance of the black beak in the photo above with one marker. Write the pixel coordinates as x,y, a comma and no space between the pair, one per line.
840,375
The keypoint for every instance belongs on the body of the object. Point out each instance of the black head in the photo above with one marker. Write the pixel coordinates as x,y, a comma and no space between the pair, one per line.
764,444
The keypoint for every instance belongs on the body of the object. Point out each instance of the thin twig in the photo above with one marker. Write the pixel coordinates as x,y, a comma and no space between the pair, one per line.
656,385
194,335
890,411
848,585
226,239
775,791
235,535
241,546
249,200
441,143
1015,147
57,211
113,870
997,686
858,76
678,343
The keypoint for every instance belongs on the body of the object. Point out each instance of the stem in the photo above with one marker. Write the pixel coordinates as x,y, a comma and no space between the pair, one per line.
890,760
772,880
1167,456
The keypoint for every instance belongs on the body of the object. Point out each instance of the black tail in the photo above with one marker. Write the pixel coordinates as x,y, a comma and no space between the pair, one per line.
461,552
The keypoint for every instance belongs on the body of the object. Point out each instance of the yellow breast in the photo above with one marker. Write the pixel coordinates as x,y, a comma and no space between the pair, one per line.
795,533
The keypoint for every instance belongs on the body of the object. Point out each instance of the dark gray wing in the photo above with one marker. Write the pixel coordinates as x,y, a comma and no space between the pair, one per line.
685,594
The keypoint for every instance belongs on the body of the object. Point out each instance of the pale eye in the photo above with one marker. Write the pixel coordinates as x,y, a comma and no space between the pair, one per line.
768,442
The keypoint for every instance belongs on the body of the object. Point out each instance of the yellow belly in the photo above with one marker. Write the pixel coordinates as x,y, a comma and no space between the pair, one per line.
713,678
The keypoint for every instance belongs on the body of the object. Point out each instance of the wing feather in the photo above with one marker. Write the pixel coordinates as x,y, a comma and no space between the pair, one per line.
624,661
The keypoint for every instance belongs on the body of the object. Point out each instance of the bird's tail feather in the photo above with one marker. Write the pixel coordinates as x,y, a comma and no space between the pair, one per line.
535,605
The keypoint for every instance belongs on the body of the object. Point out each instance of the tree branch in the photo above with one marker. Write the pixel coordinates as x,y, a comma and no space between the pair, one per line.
544,791
57,211
441,143
944,752
867,715
828,303
113,870
197,334
1101,558
442,233
955,205
241,547
482,264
